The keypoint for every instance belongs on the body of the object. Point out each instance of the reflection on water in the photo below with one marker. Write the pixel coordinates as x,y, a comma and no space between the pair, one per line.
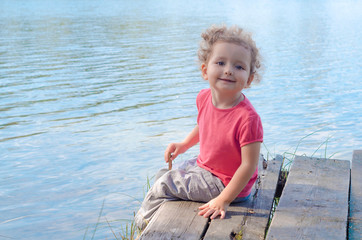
91,93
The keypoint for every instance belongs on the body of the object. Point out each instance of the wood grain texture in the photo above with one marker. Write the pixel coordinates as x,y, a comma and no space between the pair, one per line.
250,218
355,208
314,203
175,220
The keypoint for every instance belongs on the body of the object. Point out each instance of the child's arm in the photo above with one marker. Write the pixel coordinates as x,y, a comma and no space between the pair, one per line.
177,148
218,206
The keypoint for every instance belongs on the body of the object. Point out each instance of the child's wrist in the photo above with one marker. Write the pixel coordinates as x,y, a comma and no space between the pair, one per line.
225,199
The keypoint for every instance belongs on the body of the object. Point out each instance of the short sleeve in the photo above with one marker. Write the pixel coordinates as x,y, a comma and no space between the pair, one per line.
251,131
202,97
200,101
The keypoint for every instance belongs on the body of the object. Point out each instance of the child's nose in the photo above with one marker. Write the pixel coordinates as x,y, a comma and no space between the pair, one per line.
228,71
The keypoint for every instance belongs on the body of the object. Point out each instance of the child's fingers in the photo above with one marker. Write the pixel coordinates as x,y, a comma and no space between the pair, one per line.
215,214
202,212
175,152
166,155
223,213
206,212
204,206
170,149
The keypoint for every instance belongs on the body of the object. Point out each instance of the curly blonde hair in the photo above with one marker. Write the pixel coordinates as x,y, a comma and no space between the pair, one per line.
233,34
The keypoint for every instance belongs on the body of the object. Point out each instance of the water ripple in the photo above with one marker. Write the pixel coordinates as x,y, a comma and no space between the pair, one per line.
92,92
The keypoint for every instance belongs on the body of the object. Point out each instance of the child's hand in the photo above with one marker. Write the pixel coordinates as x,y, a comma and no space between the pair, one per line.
175,149
214,208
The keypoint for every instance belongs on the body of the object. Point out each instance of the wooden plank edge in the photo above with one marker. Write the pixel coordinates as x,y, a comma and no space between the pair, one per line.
354,224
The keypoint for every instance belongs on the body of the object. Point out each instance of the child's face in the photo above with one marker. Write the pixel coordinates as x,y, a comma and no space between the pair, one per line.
228,68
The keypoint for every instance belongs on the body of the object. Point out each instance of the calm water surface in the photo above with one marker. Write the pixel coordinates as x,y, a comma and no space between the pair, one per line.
91,93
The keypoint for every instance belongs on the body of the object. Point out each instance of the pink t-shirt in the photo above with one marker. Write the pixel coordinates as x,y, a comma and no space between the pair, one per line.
222,134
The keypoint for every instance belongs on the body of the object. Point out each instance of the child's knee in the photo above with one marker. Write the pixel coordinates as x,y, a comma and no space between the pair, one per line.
160,173
164,186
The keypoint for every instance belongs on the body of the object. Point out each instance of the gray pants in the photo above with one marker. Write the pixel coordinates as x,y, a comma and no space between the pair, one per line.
186,182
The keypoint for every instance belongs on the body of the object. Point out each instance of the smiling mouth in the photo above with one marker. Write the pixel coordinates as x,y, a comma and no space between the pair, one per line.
226,80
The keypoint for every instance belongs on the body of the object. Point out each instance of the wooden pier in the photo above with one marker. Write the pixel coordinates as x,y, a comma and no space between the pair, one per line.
321,200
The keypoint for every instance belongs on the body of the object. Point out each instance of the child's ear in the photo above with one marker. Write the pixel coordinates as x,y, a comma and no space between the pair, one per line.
204,71
250,80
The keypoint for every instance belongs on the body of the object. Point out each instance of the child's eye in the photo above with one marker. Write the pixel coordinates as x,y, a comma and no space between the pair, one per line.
239,67
220,63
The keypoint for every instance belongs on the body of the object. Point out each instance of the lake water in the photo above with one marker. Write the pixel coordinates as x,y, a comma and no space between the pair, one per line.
91,93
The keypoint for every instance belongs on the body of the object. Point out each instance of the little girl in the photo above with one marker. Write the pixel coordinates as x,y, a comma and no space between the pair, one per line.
228,129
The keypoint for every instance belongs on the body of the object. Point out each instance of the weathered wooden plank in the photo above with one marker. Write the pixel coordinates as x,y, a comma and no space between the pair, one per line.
175,220
250,218
355,207
314,203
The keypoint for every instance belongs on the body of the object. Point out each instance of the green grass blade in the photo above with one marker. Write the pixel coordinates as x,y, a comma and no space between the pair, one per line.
99,217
